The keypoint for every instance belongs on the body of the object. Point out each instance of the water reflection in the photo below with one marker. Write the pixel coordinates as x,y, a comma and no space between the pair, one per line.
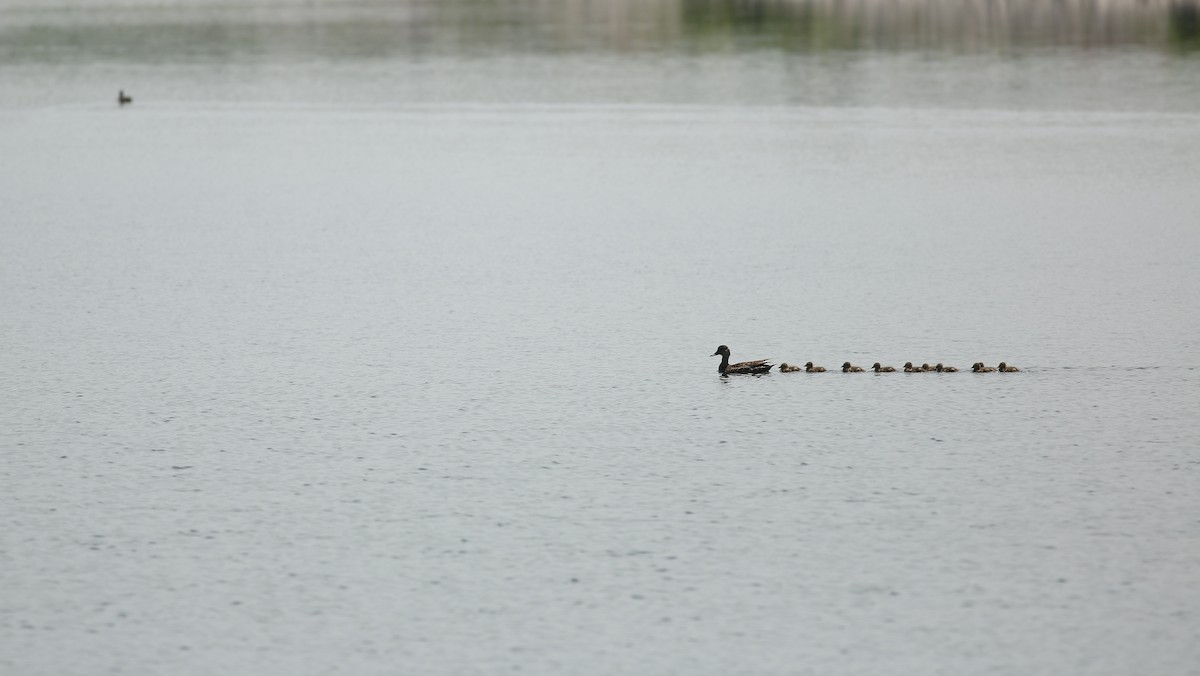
189,30
1184,20
809,25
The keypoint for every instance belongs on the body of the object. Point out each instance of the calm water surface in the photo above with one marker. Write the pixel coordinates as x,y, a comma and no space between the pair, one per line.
373,338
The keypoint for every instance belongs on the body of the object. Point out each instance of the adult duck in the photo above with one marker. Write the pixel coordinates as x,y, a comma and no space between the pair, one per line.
851,368
752,367
123,99
882,369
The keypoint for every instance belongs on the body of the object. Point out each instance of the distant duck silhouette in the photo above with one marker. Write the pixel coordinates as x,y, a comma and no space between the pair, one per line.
945,369
927,367
752,367
123,99
850,368
788,368
978,367
813,369
1005,368
882,369
909,368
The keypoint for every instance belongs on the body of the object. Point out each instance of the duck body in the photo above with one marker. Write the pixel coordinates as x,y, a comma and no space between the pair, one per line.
788,368
813,369
882,369
745,367
851,368
1005,368
945,369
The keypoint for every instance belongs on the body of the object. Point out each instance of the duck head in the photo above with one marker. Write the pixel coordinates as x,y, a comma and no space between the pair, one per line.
722,351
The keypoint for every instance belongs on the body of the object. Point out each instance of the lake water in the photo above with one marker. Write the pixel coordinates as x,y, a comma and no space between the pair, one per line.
374,338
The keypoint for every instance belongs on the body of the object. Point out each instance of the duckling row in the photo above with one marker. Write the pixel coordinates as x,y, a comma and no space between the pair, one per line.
760,366
977,367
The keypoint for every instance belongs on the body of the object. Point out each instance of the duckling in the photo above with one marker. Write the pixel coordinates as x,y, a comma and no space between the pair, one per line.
945,369
788,368
882,369
909,368
850,368
813,369
978,367
927,367
123,99
1005,368
751,367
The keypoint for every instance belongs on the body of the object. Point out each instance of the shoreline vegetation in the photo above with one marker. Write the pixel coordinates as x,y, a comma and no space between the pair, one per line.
133,30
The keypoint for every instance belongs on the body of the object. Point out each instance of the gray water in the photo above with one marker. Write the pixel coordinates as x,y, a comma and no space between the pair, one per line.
374,338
